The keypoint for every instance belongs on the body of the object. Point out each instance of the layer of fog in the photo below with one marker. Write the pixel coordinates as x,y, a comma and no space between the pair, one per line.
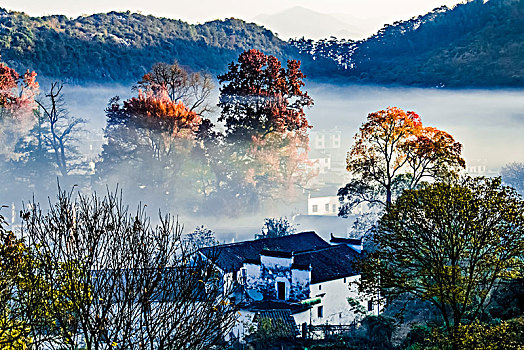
489,124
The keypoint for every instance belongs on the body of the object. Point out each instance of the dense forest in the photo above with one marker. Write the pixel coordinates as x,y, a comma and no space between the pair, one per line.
478,43
122,46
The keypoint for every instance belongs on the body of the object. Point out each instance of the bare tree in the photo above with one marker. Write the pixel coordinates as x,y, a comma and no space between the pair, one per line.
120,281
513,175
61,126
191,88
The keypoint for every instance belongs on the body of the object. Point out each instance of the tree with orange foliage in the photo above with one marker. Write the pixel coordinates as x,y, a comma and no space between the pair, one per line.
162,113
150,141
180,85
15,91
394,151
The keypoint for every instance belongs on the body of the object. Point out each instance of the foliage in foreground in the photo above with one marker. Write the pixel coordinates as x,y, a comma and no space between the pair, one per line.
91,274
448,244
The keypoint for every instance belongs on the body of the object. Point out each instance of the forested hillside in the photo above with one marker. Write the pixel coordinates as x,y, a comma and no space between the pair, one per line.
479,43
122,46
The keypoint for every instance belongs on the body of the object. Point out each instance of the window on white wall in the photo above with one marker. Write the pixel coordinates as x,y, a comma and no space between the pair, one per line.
281,290
370,305
320,311
327,207
315,208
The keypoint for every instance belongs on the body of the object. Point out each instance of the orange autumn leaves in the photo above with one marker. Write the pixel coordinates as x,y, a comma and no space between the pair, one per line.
393,143
163,113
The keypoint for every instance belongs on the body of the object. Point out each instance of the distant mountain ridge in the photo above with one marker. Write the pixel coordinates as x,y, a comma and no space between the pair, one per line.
122,46
299,22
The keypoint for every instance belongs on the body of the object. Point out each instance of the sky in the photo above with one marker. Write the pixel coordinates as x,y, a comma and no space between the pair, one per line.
200,11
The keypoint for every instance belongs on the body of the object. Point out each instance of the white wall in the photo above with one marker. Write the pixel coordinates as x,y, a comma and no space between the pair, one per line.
272,262
322,165
252,273
302,317
300,277
334,294
320,203
325,139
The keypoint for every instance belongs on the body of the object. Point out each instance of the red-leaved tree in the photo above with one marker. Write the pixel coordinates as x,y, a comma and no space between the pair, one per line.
17,102
263,108
259,96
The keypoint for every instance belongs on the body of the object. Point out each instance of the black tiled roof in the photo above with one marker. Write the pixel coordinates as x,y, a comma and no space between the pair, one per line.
276,254
265,305
282,323
329,263
230,257
352,241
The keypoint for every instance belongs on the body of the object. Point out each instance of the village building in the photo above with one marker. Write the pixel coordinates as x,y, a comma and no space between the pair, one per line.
299,274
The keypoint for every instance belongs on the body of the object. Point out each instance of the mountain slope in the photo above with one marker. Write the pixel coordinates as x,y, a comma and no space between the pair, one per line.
476,44
122,46
479,43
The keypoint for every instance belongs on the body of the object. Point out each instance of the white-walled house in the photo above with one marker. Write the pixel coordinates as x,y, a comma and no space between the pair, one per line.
326,205
301,274
325,139
322,204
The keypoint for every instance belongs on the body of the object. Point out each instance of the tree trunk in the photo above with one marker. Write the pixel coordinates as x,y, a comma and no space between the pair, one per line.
388,197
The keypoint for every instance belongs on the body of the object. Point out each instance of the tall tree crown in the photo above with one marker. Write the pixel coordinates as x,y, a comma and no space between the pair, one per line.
260,96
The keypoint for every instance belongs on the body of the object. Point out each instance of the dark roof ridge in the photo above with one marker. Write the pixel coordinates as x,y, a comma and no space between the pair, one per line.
260,240
339,246
347,240
277,253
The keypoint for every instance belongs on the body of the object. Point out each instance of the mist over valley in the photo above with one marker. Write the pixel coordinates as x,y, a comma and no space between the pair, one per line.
488,123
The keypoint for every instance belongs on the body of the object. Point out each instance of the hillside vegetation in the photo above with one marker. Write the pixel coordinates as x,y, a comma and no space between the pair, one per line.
122,46
478,43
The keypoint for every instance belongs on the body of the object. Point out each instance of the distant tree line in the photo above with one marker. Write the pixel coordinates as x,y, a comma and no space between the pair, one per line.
476,44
